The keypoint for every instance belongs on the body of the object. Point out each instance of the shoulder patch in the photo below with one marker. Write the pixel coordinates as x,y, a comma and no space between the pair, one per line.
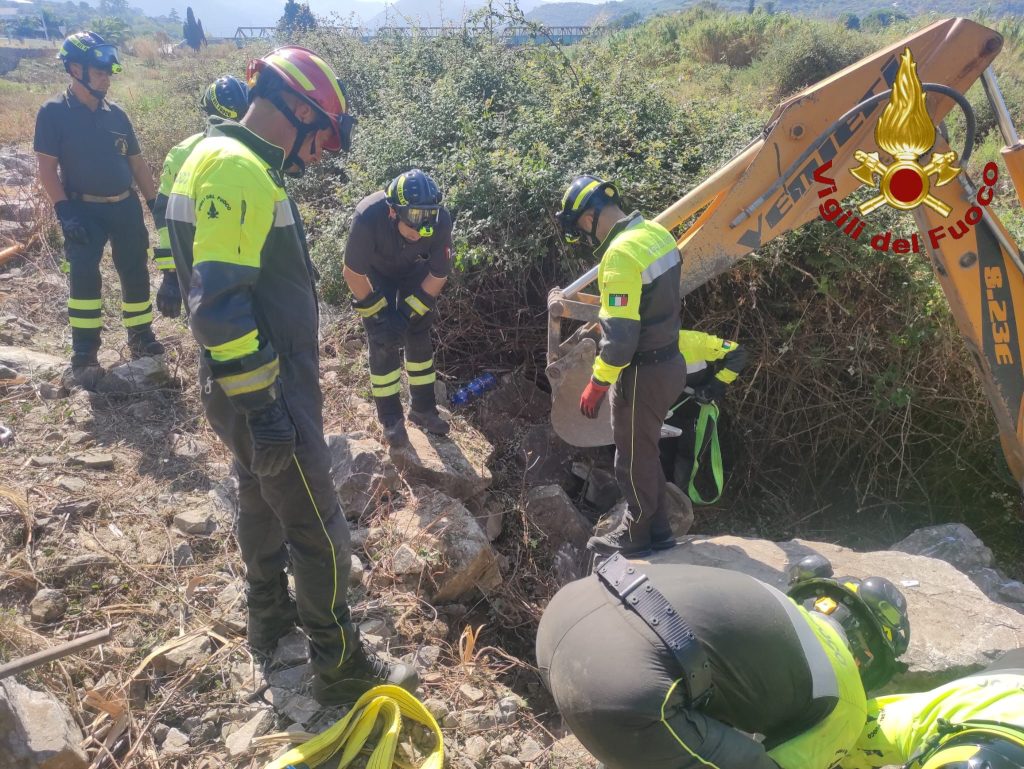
618,300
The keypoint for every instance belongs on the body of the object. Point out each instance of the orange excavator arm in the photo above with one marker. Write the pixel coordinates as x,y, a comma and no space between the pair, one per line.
817,148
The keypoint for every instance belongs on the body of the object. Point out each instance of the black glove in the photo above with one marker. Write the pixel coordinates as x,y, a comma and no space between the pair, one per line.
151,204
273,438
168,297
711,392
416,305
70,224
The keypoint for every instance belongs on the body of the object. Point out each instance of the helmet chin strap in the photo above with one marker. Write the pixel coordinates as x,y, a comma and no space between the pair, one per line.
302,130
84,82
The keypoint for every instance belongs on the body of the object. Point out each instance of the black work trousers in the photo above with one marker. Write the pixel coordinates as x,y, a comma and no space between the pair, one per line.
294,516
640,401
618,689
384,344
123,226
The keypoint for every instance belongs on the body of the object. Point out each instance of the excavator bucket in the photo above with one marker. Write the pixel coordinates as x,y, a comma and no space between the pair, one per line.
772,187
568,376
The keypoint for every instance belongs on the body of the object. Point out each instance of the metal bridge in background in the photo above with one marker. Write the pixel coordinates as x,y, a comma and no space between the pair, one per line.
514,36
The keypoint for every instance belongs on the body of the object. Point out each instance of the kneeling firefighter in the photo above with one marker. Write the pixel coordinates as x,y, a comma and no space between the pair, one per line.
676,666
976,722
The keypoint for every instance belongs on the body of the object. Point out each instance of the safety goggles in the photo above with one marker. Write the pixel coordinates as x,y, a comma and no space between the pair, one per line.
104,57
418,216
341,130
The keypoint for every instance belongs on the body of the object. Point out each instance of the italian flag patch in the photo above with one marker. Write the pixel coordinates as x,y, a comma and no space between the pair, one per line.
618,300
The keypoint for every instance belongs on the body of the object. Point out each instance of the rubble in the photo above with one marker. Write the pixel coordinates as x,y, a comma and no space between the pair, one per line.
135,376
362,473
456,465
551,510
48,606
463,560
37,731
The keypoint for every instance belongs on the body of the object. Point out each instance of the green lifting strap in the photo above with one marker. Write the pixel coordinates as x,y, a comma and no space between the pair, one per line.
708,415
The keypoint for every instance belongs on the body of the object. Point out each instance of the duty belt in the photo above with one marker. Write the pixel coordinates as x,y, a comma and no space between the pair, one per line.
635,590
659,355
99,198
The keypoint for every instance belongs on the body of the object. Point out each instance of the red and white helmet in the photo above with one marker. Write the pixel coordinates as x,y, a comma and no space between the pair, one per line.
311,79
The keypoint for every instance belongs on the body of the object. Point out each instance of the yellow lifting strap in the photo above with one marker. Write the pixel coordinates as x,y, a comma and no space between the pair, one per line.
349,735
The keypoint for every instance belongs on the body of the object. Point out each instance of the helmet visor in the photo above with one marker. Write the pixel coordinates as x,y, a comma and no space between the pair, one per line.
419,216
341,131
105,57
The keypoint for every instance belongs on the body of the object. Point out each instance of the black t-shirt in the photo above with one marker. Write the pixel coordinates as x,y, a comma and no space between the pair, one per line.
91,147
375,247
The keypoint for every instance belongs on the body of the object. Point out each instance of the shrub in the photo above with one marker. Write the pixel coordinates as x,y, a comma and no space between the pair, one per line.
807,53
734,39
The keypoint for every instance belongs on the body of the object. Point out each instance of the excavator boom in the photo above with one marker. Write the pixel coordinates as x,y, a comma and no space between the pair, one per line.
820,146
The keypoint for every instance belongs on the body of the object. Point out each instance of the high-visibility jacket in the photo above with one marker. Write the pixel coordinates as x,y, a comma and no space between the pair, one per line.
699,349
638,278
239,248
172,164
899,726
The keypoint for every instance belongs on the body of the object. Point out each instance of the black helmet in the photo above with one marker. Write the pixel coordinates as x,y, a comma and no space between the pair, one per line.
584,192
416,199
89,49
975,746
227,96
871,612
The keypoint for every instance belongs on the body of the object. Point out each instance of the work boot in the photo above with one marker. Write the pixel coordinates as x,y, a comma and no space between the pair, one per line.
86,371
360,673
430,421
618,540
143,344
395,434
272,615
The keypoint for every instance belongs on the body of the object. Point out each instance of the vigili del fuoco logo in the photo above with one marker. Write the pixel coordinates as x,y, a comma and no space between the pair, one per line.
906,132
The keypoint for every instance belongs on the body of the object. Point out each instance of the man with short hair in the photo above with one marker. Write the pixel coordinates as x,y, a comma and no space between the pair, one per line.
88,157
397,260
240,254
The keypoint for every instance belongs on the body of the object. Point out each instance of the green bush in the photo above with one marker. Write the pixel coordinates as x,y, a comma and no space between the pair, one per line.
807,53
734,39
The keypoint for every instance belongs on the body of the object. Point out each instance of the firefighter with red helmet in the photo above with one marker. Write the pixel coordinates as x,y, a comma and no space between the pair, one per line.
244,270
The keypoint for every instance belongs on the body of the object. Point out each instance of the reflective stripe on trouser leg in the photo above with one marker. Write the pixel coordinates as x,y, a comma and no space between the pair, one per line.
129,249
421,384
303,499
419,364
135,314
85,307
85,313
385,374
640,401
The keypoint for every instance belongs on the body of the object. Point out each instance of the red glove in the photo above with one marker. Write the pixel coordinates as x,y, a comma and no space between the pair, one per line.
593,395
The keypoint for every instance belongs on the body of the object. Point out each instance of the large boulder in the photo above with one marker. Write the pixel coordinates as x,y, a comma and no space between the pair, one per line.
550,509
455,465
955,628
361,471
37,731
544,457
458,558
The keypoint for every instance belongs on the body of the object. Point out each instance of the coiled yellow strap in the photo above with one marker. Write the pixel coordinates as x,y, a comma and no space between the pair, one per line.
349,735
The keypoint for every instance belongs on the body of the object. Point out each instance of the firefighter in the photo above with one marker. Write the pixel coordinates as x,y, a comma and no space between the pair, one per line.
975,722
639,359
226,97
397,260
241,258
88,157
676,666
711,364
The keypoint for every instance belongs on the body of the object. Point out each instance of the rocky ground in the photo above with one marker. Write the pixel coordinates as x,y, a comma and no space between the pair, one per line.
116,510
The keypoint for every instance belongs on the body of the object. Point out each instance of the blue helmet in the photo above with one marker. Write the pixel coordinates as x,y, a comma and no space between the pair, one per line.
89,50
227,97
585,192
416,199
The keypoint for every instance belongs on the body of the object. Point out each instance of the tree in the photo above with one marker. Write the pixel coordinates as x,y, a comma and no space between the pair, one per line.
173,15
118,8
850,21
750,6
296,18
192,30
111,29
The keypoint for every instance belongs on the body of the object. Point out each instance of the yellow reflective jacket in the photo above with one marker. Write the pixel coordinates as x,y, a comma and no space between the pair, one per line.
172,164
240,251
900,725
639,282
699,349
